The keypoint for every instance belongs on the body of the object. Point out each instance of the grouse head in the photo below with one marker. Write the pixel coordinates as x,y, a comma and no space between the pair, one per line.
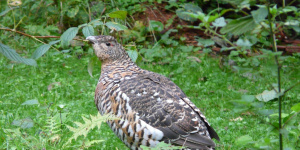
107,48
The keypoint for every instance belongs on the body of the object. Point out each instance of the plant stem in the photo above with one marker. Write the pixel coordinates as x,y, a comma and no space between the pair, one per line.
60,120
225,39
90,14
278,75
291,2
34,37
291,87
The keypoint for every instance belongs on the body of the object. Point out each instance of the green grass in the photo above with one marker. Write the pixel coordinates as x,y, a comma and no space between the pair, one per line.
210,88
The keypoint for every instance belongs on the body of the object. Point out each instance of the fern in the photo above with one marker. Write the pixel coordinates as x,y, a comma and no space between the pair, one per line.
161,146
52,130
51,126
88,143
84,128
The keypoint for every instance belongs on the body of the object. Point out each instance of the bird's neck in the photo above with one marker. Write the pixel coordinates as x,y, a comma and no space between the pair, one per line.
119,70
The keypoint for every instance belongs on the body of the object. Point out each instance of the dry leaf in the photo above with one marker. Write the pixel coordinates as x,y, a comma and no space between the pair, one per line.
237,119
50,86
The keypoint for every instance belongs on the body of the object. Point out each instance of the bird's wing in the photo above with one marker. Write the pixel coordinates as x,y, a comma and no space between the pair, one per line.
163,105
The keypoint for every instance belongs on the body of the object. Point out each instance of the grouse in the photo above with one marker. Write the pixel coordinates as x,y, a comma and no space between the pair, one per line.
151,107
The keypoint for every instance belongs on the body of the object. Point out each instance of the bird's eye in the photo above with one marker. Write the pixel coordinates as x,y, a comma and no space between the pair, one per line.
107,44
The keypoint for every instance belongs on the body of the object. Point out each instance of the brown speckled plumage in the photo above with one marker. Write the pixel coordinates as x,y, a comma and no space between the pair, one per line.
151,107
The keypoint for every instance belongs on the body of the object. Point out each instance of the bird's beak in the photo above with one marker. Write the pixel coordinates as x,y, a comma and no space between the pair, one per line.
92,39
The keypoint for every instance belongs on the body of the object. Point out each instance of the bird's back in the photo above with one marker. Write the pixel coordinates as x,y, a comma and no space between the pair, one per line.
152,109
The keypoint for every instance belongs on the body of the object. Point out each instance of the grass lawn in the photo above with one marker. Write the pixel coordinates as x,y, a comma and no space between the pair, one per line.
64,80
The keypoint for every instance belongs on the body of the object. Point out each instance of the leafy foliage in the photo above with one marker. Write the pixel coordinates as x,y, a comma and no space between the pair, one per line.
14,56
67,36
161,146
239,26
40,51
84,128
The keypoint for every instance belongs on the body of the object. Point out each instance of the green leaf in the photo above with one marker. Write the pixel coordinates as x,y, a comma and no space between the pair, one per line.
239,26
23,123
96,22
289,9
88,31
115,26
31,102
189,12
187,16
266,95
243,140
260,14
248,98
73,11
156,25
186,48
121,14
133,55
67,36
243,42
82,25
205,42
54,42
167,34
14,56
283,115
270,53
6,11
274,10
296,107
211,18
92,62
192,8
52,28
40,51
220,22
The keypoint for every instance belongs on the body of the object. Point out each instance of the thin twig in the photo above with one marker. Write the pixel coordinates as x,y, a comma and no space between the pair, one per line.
289,119
270,84
152,30
89,9
12,30
40,37
291,2
103,11
291,87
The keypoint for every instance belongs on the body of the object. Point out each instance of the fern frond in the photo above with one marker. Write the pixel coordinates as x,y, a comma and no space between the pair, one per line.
162,146
90,143
51,126
89,124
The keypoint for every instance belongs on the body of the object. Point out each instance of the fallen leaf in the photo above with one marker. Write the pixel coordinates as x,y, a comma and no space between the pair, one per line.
23,123
243,91
31,102
196,59
237,119
50,86
247,113
266,95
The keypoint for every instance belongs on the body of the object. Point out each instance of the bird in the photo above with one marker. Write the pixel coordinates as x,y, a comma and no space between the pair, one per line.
151,108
